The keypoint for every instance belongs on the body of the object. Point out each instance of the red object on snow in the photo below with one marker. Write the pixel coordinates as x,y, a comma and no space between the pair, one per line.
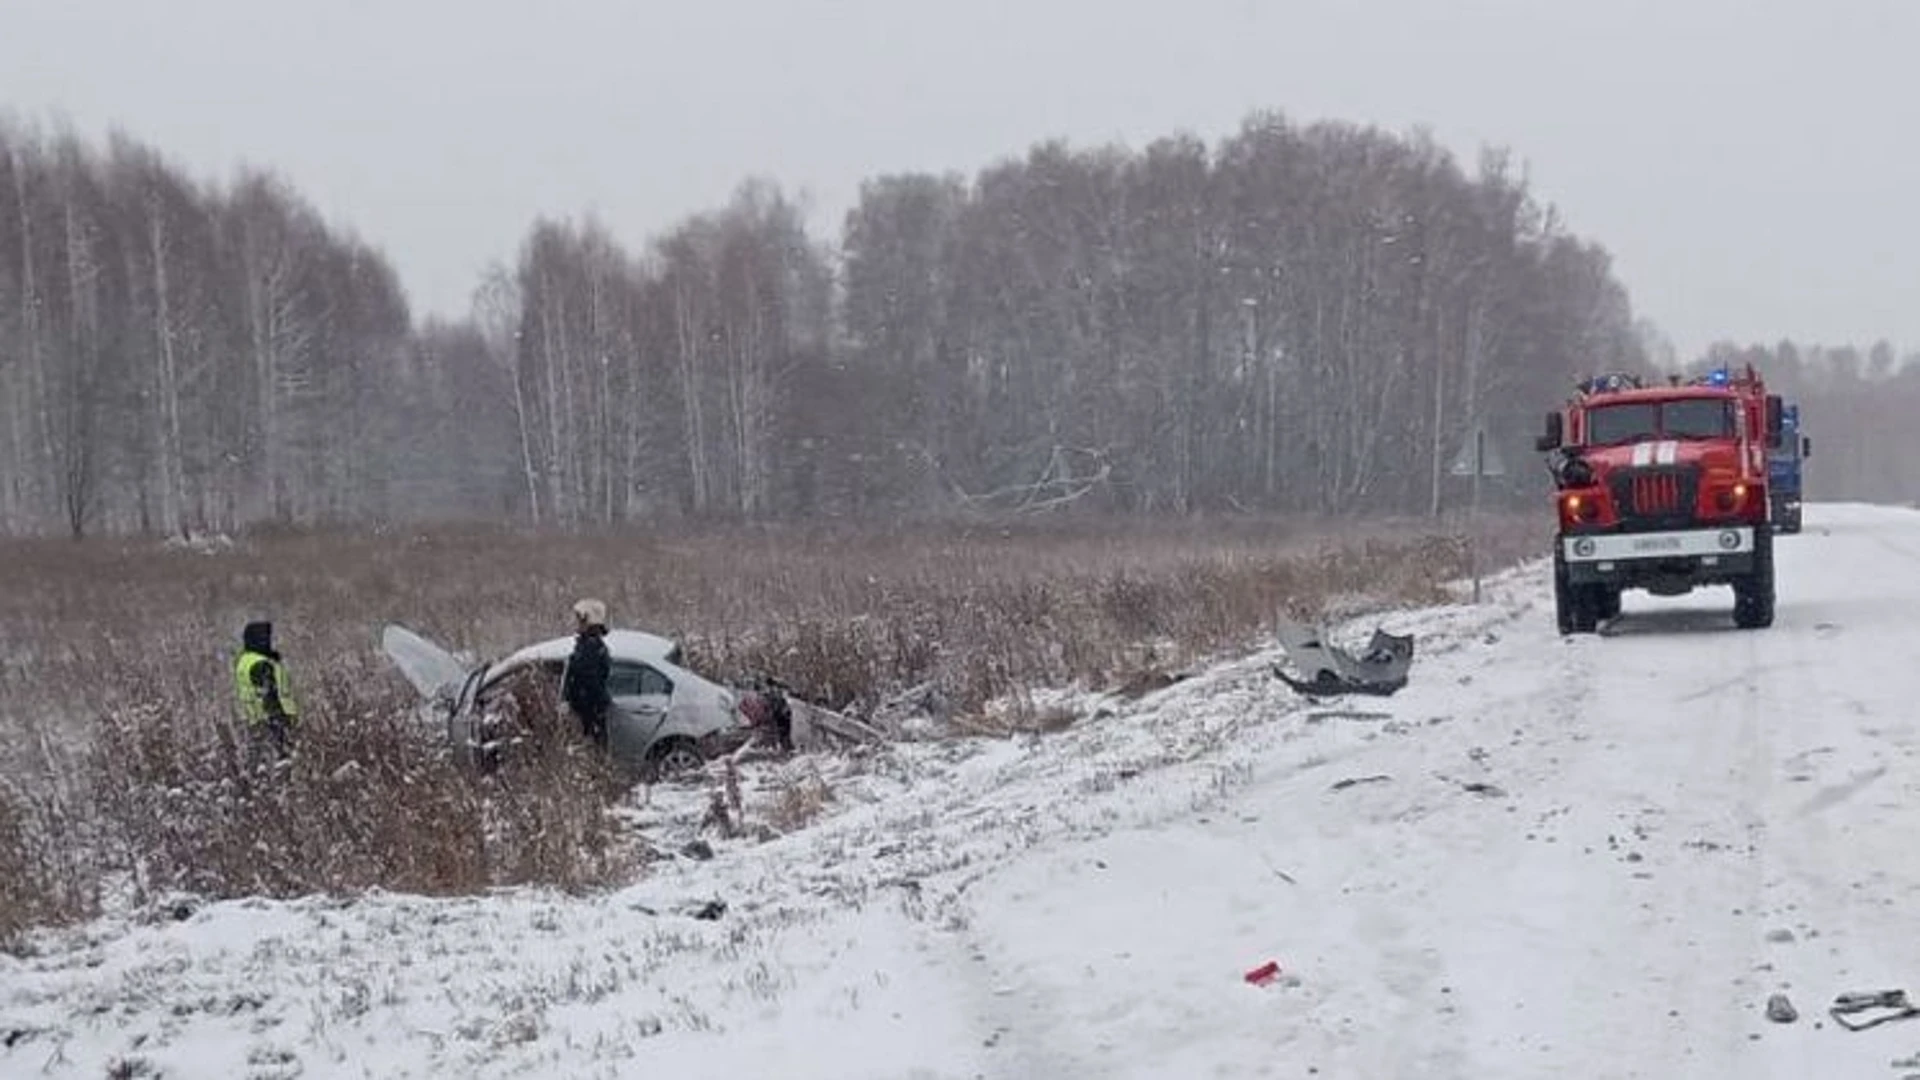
1264,974
754,708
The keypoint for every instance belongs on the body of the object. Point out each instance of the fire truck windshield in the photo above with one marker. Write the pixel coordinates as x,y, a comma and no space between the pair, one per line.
1697,418
1686,418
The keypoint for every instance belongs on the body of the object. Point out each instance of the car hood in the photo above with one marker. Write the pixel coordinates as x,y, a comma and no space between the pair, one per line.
432,670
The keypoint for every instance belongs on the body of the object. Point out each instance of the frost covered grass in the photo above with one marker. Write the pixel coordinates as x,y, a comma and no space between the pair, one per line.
368,802
164,801
121,768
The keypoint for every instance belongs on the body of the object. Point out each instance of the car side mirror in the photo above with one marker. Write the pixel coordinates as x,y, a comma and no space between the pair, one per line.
1552,438
1776,416
1806,447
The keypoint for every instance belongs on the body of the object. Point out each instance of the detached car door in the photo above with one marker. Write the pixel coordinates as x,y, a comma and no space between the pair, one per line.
641,698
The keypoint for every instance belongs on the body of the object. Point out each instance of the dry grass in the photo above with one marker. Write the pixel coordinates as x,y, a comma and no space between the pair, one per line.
45,876
120,758
797,800
369,800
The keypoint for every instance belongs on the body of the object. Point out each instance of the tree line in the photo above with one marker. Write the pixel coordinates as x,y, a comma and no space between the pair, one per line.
172,358
1296,319
1857,406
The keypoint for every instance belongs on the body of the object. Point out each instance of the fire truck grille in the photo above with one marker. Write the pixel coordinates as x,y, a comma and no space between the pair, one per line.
1661,497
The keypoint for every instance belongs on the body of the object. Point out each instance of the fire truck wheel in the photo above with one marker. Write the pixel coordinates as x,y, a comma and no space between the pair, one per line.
1575,607
1562,598
1753,596
1607,602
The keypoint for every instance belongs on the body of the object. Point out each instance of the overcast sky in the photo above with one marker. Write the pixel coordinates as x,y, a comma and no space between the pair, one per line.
1754,165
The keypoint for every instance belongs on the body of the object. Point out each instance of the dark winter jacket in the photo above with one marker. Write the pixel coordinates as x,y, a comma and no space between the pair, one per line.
585,687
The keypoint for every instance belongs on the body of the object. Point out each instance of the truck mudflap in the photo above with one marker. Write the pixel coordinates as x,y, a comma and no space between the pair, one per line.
1786,514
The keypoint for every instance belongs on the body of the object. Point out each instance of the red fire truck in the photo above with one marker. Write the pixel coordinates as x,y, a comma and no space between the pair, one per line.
1662,487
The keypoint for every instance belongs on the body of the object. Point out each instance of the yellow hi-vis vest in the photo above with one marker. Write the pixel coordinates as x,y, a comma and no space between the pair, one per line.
253,708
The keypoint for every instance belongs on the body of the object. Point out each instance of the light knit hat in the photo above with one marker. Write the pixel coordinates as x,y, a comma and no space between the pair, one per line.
590,612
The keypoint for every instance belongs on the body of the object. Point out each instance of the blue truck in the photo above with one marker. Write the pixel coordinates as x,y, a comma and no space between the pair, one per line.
1784,464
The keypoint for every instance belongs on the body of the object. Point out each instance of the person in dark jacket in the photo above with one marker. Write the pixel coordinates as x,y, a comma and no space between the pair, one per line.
781,715
265,693
585,684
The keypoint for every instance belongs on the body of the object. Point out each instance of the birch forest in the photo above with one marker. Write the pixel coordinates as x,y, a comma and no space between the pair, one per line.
1857,405
1299,319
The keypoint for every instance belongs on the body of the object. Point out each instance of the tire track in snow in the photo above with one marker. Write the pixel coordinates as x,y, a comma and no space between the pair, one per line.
1038,1025
1654,964
1608,845
1782,835
1790,916
1832,877
1727,950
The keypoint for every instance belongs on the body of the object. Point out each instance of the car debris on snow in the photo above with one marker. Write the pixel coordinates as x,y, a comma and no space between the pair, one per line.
917,711
1264,974
1326,669
1322,715
1475,787
1780,1010
1341,785
704,910
1885,1005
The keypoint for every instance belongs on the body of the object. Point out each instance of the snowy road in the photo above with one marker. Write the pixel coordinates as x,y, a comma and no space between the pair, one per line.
1678,799
1593,857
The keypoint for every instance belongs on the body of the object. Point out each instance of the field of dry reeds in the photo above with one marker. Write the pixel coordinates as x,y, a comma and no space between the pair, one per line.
121,776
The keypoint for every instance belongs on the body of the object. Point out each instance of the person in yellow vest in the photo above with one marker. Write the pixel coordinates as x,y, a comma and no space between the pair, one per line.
267,703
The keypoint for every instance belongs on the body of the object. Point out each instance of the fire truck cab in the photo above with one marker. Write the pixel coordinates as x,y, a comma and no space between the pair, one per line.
1662,488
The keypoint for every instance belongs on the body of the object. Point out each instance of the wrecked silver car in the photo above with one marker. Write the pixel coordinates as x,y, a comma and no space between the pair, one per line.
665,719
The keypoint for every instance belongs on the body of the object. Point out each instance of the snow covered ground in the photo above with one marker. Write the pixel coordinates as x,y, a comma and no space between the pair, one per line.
1592,858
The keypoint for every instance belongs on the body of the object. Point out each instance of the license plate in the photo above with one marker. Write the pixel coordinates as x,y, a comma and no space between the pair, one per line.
1657,543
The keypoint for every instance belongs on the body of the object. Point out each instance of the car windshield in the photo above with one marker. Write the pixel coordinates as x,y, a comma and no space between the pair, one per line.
1688,418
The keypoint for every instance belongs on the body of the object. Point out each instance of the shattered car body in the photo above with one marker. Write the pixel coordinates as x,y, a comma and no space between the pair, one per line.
665,718
1326,669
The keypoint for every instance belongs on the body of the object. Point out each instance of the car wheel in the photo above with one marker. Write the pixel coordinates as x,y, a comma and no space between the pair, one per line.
675,756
